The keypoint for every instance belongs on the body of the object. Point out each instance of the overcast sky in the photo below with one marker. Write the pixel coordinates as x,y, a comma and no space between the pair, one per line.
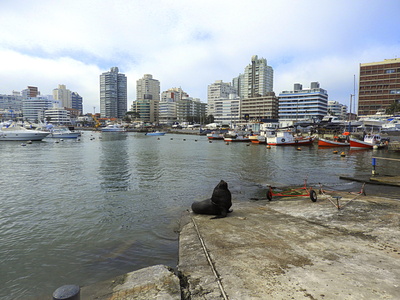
192,43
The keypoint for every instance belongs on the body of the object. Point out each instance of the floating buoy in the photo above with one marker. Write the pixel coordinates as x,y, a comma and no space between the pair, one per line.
57,141
171,139
268,147
227,143
343,154
248,144
335,152
29,142
298,149
184,139
210,141
195,140
61,140
158,138
23,144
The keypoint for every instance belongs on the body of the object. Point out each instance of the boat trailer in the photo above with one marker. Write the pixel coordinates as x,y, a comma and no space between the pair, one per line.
335,200
304,191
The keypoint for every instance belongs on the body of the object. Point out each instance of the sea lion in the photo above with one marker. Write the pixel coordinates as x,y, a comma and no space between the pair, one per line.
219,204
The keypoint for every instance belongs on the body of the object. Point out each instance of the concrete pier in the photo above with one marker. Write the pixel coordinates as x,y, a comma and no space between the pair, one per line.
289,248
295,249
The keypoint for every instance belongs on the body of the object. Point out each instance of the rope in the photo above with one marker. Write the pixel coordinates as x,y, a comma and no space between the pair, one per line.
209,261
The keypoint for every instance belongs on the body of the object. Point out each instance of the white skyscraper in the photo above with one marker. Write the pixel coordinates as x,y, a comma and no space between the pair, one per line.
63,95
217,91
257,80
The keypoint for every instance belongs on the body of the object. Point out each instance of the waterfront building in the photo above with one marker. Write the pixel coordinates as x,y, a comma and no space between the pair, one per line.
191,109
227,111
337,109
59,116
63,95
13,102
30,91
113,94
259,108
217,91
147,99
257,79
379,86
77,102
33,108
168,105
303,104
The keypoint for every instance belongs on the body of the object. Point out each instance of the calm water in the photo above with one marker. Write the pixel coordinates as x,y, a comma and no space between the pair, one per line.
78,212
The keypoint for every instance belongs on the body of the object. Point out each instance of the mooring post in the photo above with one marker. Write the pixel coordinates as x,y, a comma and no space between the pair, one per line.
374,166
67,292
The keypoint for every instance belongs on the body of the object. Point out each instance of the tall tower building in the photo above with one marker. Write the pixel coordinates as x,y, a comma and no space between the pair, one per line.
257,79
113,94
379,86
63,95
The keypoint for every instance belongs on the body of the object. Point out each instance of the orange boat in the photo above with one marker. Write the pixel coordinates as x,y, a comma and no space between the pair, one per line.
332,143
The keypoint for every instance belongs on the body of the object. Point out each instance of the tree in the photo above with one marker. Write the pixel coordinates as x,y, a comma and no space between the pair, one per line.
393,108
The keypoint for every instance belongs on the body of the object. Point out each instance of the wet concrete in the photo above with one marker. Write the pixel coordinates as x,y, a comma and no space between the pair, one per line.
292,248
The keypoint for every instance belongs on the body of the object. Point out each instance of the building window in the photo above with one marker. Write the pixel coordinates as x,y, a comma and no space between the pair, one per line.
389,71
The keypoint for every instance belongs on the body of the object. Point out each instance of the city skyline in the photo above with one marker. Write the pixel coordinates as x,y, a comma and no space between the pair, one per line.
192,44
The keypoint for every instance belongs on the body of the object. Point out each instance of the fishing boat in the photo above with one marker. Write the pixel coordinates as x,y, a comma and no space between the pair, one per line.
215,135
236,136
155,133
286,138
332,143
369,142
13,132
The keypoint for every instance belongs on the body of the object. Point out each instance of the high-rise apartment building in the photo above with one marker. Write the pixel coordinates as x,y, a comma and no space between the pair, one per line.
63,95
379,86
148,88
147,99
300,104
31,91
217,91
257,79
113,94
77,102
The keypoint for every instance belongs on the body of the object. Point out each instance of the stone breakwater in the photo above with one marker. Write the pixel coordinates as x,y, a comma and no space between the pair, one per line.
288,248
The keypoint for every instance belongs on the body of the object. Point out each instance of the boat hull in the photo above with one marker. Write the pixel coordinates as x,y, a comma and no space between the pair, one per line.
277,142
155,133
23,136
328,143
358,144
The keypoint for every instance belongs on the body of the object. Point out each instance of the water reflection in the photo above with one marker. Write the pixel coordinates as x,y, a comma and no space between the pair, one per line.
114,162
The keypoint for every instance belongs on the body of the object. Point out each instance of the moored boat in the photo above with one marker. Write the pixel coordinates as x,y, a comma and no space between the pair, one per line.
215,135
155,133
369,142
286,138
332,143
13,132
113,128
63,133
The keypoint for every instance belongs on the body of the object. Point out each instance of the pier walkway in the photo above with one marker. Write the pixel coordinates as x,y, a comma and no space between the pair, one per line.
287,248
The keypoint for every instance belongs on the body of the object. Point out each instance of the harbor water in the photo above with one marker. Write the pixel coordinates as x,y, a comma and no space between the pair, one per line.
82,211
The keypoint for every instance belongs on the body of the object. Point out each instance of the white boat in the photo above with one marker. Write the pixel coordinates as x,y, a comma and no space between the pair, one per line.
215,135
286,138
392,125
233,136
63,133
370,141
13,132
155,133
113,128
